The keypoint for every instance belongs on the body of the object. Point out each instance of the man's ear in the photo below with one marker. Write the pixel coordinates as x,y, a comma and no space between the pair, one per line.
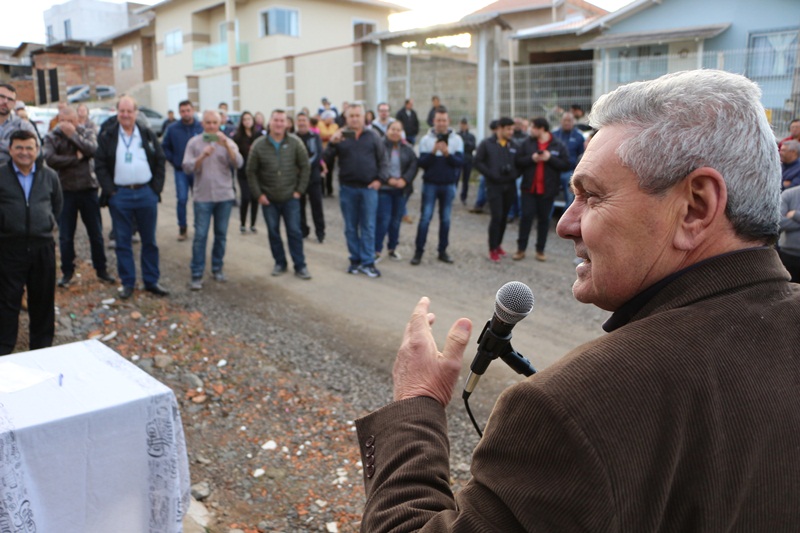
704,197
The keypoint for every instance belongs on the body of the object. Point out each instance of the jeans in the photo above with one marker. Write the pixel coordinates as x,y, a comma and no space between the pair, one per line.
480,201
500,197
431,193
466,171
203,211
390,215
540,208
246,201
290,211
183,184
313,197
140,206
87,204
359,210
32,265
516,207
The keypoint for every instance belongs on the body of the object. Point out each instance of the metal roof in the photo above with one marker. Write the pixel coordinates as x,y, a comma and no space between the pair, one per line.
613,40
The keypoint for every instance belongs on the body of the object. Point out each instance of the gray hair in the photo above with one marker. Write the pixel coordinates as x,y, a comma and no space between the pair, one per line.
687,120
792,145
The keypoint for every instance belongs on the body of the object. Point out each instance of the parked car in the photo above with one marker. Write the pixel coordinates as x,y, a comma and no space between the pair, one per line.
82,93
41,116
154,119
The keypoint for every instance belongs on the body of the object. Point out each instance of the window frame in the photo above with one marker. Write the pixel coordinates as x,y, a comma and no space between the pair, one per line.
126,51
790,58
263,29
67,29
176,46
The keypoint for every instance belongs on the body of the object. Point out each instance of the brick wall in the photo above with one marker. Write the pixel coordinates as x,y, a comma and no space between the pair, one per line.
24,91
76,68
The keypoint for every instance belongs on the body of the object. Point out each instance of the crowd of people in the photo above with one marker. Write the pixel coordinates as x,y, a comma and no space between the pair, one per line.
284,165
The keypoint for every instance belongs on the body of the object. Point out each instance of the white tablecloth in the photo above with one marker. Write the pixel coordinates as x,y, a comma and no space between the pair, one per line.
96,446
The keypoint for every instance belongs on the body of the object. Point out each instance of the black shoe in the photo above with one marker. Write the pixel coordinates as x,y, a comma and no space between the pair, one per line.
103,275
444,257
417,259
126,293
157,289
65,279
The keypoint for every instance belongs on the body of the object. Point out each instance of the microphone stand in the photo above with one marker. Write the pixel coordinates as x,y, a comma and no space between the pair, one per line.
490,347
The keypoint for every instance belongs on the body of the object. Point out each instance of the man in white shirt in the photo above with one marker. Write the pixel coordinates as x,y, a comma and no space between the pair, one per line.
130,167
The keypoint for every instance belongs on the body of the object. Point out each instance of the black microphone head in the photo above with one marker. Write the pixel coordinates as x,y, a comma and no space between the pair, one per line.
514,302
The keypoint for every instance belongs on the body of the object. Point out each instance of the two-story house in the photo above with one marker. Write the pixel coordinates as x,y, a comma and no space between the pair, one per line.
262,54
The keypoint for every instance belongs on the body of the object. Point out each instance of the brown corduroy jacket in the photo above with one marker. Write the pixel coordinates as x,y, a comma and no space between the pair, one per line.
684,419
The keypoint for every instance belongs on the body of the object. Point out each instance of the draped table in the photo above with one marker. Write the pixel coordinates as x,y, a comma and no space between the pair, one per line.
89,443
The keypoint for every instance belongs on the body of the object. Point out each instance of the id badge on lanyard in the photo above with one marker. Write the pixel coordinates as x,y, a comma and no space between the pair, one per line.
128,157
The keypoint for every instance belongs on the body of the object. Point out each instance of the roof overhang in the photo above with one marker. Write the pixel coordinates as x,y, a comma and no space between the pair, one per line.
465,25
373,3
689,33
109,39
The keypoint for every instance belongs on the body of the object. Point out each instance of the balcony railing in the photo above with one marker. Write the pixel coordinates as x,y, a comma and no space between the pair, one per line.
216,55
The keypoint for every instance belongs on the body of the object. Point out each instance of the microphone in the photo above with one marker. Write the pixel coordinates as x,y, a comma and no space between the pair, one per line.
514,301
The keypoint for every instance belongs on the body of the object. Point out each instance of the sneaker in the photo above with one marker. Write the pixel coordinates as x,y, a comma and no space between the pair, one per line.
219,276
196,284
111,244
417,259
182,236
353,269
103,275
242,230
378,257
540,256
279,270
65,279
494,256
518,255
302,273
394,256
136,238
253,229
370,271
501,251
444,257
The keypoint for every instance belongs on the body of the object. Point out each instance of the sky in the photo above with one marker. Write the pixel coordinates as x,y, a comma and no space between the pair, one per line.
30,26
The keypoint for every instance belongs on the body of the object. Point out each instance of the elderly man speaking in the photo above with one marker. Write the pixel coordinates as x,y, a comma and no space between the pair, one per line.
685,416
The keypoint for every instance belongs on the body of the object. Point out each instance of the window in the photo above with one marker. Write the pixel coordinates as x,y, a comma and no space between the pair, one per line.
641,63
67,29
279,21
51,37
772,54
126,58
173,42
362,29
223,31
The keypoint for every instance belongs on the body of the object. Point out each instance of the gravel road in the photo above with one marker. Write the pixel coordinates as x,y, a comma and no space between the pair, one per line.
333,339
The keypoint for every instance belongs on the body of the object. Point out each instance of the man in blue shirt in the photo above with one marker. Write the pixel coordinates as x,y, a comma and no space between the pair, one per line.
174,143
573,140
30,201
790,164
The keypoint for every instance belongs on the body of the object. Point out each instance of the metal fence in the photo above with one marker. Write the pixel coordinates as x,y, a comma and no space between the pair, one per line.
545,90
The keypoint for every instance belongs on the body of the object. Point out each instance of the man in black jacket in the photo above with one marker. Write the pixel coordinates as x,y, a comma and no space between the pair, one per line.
314,191
408,117
541,158
130,167
69,150
469,150
30,202
496,160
